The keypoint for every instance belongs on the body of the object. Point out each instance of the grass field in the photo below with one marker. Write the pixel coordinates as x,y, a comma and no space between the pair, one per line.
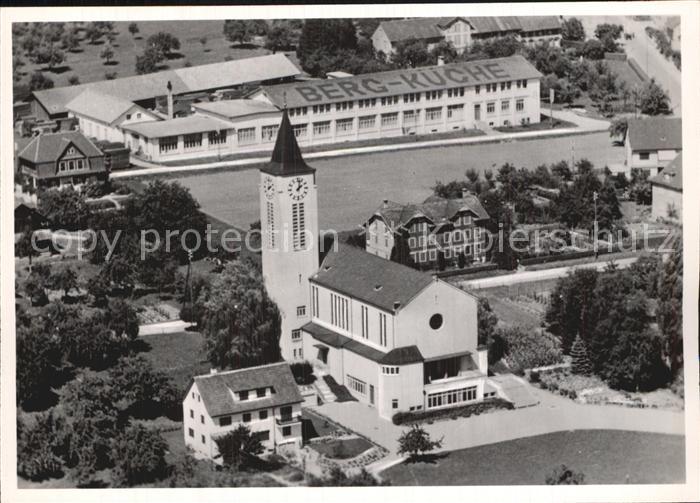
180,355
89,67
343,449
603,456
352,187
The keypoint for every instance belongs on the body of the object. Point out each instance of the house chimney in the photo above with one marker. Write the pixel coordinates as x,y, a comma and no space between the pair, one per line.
213,371
397,305
441,60
385,203
170,100
465,193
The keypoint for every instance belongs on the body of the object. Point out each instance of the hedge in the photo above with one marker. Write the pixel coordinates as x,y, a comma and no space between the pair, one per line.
472,409
467,270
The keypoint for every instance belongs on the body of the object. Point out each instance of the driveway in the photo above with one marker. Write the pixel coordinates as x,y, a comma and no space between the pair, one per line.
554,413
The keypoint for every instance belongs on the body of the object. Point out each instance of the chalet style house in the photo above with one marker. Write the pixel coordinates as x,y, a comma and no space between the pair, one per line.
264,398
62,159
431,232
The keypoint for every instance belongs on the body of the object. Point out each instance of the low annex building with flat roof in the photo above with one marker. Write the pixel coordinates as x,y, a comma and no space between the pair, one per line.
264,398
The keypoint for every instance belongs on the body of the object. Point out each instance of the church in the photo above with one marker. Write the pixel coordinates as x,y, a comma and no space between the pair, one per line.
396,338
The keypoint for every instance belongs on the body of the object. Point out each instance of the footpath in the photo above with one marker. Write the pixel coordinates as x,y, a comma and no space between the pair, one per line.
584,125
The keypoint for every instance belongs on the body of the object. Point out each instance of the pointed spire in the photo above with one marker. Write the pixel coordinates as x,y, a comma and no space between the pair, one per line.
286,157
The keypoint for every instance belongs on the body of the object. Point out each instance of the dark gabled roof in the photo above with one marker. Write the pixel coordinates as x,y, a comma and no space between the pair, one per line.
49,147
286,158
406,80
672,175
493,24
655,133
339,341
420,28
216,389
397,356
403,356
436,209
361,275
536,23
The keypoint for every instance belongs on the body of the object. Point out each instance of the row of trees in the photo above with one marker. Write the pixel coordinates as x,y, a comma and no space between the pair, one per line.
609,313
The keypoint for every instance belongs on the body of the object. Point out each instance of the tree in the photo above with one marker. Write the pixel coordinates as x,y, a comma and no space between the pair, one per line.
241,324
568,314
593,49
670,310
74,80
607,30
37,284
94,32
487,331
238,446
36,360
70,41
237,31
65,279
444,50
618,128
121,317
42,447
64,208
163,44
562,475
133,29
572,29
279,37
110,75
330,36
653,99
148,61
580,363
411,53
139,456
416,441
107,54
49,55
142,391
561,170
38,82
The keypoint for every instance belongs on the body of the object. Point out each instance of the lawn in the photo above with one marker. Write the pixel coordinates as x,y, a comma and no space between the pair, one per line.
89,67
603,456
352,187
180,355
342,449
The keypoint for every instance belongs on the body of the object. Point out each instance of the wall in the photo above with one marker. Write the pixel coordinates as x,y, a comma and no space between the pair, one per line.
380,240
364,370
459,330
381,42
406,387
203,425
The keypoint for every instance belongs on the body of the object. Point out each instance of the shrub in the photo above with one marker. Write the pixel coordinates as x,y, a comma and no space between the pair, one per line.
530,348
139,456
454,412
303,373
562,475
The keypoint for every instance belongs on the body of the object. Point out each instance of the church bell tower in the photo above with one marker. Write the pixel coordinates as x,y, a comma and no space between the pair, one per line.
289,225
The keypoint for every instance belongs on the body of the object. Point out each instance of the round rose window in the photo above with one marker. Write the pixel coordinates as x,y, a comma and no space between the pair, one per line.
436,321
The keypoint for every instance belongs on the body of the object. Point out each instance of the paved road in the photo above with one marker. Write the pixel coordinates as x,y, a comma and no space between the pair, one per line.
554,413
541,275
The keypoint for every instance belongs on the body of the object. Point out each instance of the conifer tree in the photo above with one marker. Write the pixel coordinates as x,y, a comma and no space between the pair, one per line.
580,363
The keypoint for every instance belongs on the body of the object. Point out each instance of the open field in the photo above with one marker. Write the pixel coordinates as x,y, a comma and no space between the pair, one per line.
352,187
89,67
180,355
603,456
624,72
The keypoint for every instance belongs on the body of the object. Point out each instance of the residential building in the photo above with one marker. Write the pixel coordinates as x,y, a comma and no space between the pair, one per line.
264,398
462,32
652,143
145,90
667,192
61,159
397,338
447,227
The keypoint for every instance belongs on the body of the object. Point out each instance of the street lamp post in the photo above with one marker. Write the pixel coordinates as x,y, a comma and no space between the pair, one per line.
595,223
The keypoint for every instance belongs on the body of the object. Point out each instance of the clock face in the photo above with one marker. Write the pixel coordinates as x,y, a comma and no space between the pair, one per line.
298,188
269,187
